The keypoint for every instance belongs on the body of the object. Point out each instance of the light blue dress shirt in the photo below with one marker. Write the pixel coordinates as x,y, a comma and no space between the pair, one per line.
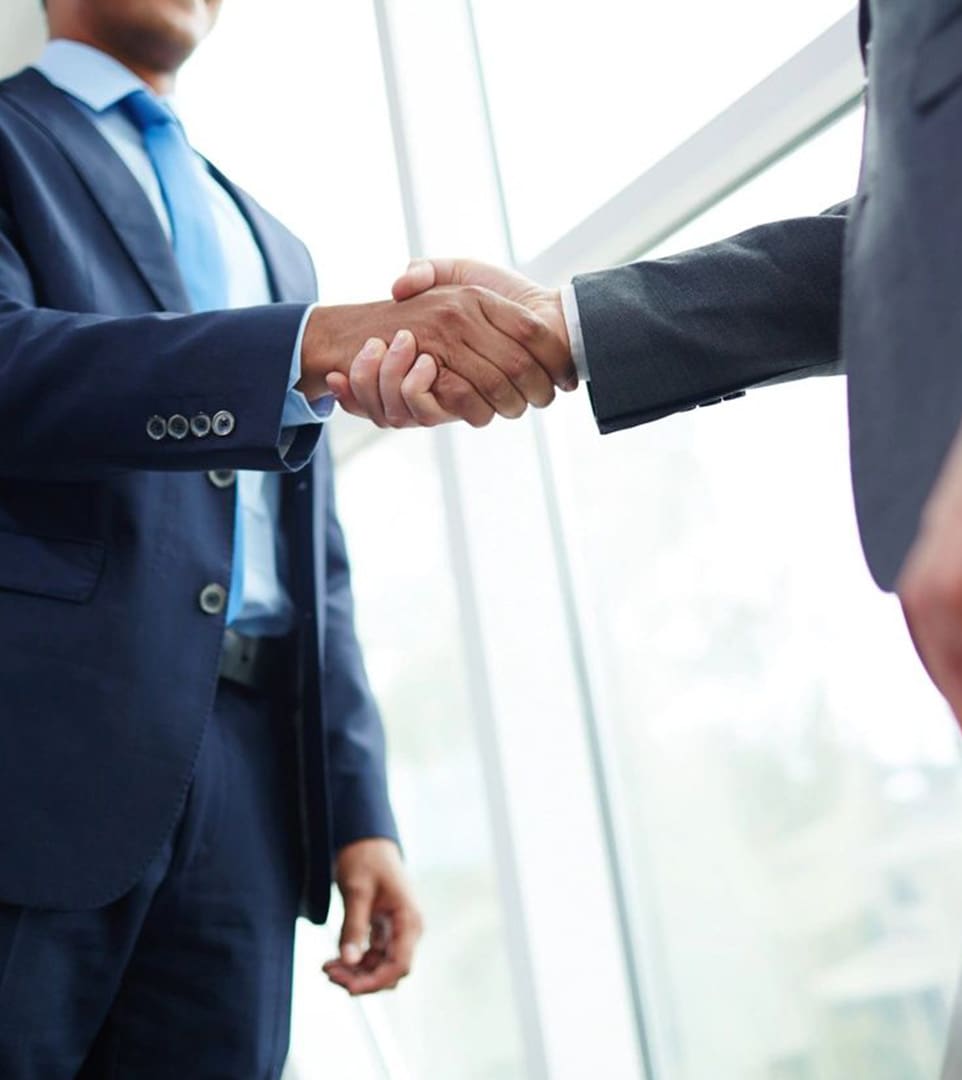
97,83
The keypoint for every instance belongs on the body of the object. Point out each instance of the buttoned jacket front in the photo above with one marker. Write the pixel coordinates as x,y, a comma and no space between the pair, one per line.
115,543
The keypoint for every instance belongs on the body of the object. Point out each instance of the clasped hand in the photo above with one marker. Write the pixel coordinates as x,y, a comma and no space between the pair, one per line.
467,342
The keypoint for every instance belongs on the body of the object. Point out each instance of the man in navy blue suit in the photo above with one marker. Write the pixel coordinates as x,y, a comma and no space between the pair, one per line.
189,749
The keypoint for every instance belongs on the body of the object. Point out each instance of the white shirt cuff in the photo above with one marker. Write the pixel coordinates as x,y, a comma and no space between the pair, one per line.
569,303
297,409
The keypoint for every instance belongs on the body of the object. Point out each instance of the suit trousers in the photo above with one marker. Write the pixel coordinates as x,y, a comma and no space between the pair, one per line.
188,975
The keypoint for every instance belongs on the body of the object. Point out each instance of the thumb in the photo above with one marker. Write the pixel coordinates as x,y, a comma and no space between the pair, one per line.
420,276
339,386
357,925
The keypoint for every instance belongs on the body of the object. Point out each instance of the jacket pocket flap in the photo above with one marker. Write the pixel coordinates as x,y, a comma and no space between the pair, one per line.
62,569
939,63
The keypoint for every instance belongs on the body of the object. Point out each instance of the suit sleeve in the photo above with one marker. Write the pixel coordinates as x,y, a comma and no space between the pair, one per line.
357,773
79,389
667,335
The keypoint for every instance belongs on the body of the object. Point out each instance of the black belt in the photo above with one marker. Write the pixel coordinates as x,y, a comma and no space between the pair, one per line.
265,664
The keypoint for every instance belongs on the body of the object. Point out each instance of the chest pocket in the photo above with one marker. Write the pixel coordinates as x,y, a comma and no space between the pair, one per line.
938,69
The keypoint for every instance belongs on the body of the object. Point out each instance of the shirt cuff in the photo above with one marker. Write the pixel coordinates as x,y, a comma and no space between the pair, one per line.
297,409
569,303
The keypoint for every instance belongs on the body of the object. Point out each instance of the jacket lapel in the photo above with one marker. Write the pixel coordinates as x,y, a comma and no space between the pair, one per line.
109,181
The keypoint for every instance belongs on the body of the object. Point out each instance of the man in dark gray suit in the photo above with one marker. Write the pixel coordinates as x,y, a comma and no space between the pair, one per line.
871,287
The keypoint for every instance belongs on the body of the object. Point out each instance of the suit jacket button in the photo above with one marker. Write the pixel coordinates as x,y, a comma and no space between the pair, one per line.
223,423
177,426
200,425
213,599
156,428
222,478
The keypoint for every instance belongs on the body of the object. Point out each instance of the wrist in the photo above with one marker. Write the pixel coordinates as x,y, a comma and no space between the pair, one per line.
332,338
554,315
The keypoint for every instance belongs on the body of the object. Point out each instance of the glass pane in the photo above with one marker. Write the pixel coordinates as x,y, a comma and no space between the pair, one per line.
455,1017
297,141
792,783
586,97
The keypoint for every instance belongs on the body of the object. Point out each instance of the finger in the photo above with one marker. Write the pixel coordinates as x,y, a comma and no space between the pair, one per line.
459,398
528,381
417,389
537,340
394,367
340,388
394,939
385,977
395,966
487,358
406,929
364,377
358,901
420,276
383,973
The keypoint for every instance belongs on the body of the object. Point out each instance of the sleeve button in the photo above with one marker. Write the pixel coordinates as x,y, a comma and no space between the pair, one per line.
223,423
177,427
200,425
157,428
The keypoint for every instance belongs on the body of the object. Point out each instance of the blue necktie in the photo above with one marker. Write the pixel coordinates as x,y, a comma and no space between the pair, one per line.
195,241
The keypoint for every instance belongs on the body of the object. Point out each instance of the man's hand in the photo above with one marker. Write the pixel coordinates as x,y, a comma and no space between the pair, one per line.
425,274
492,355
382,924
396,390
930,585
404,381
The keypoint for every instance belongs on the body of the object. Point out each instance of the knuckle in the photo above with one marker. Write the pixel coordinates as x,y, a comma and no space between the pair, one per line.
517,363
450,314
356,888
460,396
528,329
506,399
493,384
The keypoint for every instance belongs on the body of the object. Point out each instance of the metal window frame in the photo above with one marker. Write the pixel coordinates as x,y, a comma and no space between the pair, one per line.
807,93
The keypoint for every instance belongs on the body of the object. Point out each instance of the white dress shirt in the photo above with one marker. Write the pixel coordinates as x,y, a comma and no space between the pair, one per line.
569,304
97,84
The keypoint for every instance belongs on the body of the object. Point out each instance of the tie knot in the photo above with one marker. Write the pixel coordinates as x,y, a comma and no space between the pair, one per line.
146,111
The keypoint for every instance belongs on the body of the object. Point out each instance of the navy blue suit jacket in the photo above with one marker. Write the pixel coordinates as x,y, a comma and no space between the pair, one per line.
108,665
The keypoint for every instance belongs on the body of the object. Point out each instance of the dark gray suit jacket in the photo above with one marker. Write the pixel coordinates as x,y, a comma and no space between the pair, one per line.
874,288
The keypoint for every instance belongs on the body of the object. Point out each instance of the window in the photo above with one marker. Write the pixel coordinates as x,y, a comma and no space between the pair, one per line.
458,1017
585,98
791,811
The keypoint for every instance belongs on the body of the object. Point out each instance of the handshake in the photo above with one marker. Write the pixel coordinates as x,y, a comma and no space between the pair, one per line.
468,341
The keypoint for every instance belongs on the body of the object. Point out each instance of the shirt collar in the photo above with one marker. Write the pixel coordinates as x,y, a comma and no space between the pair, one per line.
87,74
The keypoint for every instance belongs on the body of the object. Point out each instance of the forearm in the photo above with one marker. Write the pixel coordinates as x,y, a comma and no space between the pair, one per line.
668,335
83,389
